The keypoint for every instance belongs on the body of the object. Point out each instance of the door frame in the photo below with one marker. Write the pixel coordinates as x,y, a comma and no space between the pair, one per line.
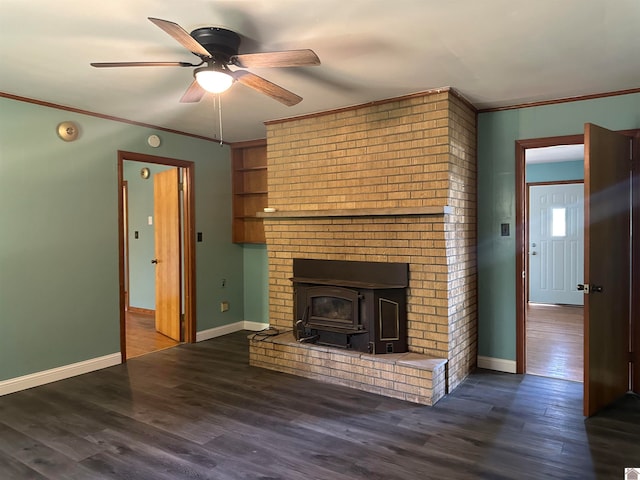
125,233
521,231
189,241
635,263
521,247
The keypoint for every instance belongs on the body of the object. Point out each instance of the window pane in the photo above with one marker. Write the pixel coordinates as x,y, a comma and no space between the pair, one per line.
558,222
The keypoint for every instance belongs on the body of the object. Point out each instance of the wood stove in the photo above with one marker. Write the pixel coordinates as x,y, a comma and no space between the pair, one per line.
351,305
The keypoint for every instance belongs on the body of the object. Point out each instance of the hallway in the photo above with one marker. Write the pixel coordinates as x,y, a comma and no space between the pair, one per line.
555,341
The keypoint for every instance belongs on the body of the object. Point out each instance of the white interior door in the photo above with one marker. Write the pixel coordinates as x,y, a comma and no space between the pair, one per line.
556,243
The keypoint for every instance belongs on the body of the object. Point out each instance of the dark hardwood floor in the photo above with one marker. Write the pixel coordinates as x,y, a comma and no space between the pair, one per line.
200,411
555,341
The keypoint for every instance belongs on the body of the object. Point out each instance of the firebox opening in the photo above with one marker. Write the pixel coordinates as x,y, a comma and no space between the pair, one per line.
351,305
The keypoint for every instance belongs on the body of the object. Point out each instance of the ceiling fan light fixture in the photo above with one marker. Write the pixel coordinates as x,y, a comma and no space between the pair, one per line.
213,80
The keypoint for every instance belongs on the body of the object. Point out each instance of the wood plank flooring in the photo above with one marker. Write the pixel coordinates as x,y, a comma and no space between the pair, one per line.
200,411
555,336
142,336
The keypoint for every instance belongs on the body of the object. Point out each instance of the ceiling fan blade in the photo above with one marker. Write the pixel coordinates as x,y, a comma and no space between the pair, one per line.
285,58
193,94
181,36
265,86
141,64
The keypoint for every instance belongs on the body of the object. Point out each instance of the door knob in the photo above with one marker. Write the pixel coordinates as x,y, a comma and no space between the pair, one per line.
534,253
155,260
586,288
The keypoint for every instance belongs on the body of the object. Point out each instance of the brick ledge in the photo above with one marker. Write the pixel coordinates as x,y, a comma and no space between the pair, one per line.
407,376
357,212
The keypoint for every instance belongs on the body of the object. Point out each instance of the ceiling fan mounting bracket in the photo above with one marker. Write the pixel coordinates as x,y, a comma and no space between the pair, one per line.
221,43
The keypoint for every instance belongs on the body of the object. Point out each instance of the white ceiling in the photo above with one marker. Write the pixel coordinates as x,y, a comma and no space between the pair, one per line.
494,52
558,153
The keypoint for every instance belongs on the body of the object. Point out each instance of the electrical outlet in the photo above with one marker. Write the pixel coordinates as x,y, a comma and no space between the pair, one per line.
224,306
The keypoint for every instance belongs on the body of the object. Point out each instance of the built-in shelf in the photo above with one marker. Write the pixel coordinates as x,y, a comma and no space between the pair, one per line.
357,212
249,170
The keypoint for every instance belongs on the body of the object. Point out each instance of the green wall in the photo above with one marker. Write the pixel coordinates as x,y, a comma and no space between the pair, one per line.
256,283
59,235
59,241
497,133
555,171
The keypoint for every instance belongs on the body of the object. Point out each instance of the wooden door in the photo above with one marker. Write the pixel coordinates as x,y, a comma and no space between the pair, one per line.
166,212
635,261
606,267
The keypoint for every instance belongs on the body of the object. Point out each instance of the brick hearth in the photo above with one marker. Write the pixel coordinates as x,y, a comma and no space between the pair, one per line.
407,376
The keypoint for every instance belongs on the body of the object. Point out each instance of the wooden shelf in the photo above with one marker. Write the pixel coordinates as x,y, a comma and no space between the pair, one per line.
358,212
249,175
250,169
257,192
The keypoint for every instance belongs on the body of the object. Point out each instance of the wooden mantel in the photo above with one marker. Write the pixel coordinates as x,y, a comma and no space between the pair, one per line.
357,212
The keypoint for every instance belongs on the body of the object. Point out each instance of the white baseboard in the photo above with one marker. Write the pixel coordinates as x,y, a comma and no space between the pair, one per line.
254,326
13,385
498,364
60,373
226,329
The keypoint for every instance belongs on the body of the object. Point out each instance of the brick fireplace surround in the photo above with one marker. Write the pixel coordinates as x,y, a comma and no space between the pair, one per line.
390,181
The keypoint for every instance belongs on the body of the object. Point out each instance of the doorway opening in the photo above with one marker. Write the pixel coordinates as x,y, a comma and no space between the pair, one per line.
549,328
554,264
157,264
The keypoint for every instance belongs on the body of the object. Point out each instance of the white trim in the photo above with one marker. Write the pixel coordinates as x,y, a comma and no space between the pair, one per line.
60,373
498,364
231,328
255,326
13,385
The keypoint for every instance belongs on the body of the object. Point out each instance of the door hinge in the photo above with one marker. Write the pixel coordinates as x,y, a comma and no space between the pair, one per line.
181,186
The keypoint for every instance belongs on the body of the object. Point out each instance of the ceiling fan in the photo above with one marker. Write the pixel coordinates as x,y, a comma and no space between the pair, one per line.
218,49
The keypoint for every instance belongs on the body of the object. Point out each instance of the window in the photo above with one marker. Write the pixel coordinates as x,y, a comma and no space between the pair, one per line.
558,222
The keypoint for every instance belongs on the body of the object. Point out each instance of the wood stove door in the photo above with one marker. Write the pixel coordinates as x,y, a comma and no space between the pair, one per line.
318,306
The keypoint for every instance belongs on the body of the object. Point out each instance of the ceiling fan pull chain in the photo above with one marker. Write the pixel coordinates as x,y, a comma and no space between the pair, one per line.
215,100
220,117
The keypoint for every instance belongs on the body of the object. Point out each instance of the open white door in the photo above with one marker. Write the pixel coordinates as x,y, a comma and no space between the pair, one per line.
556,245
